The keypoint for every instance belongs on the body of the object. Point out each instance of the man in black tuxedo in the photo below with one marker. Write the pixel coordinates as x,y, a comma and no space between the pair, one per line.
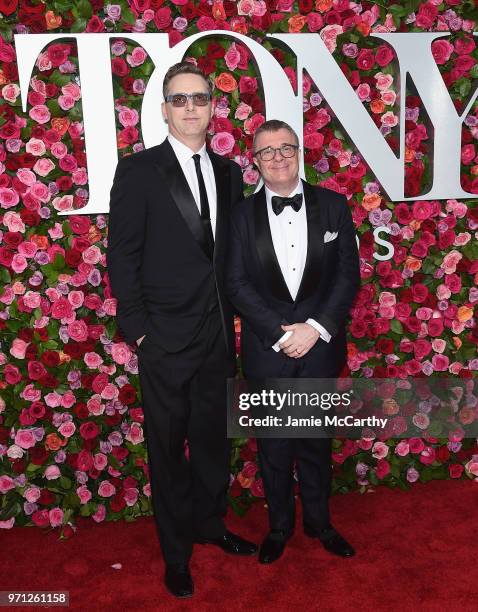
292,274
168,227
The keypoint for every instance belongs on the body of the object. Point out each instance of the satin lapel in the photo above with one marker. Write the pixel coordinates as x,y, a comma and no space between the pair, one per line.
265,249
177,184
315,244
223,201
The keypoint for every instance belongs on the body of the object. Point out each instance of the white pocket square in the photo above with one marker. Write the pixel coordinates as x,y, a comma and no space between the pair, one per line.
329,236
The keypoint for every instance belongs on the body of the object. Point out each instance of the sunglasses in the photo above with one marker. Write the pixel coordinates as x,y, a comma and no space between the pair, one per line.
180,99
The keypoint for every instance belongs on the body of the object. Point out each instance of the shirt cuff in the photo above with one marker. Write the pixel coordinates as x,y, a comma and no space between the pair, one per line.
324,334
276,346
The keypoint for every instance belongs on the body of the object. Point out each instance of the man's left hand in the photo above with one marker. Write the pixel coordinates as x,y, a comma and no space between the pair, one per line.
303,338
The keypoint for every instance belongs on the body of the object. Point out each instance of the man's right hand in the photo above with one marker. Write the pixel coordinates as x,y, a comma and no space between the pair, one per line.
139,340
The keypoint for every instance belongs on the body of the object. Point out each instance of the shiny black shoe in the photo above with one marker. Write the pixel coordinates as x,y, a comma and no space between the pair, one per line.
178,580
273,546
232,544
331,540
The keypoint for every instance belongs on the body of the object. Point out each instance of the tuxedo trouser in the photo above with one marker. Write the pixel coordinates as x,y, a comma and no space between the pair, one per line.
184,398
312,457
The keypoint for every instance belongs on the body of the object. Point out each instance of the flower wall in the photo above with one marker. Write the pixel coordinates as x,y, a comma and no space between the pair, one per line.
71,423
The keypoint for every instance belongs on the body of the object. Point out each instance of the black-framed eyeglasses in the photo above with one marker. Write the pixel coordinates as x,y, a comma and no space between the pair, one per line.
180,99
268,153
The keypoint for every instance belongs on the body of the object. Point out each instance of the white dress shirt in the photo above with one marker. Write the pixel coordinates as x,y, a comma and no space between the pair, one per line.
185,158
289,237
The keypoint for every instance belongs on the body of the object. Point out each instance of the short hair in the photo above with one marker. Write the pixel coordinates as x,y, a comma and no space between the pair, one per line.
184,68
273,125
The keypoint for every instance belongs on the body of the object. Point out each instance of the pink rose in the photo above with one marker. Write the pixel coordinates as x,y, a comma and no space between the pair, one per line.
43,166
56,517
120,353
93,360
27,177
388,97
247,84
59,150
40,192
402,449
315,22
222,143
25,438
128,117
8,524
84,494
40,114
245,7
100,461
32,494
100,514
66,102
6,484
313,141
363,91
52,472
251,124
109,392
472,466
441,51
329,36
251,175
131,496
106,489
440,363
8,197
232,57
242,111
18,348
384,81
11,92
137,57
67,429
63,204
135,434
379,450
36,147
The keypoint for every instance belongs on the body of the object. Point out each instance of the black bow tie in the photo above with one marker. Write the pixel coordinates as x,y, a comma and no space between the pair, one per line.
278,203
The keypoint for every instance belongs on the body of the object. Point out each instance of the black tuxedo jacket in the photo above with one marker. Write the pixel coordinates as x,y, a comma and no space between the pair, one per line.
258,291
158,266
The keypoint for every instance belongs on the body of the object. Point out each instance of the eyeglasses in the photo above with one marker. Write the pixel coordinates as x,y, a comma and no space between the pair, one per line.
268,153
180,99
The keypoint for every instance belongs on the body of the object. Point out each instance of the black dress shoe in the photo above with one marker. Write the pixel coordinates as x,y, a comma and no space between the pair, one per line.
232,544
331,540
273,546
178,580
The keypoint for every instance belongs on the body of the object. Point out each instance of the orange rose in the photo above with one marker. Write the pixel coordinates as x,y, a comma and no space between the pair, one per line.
41,241
244,482
64,358
323,5
377,106
60,124
296,23
226,82
94,234
371,201
3,80
53,442
409,155
218,11
413,264
390,406
457,342
464,313
467,415
363,28
52,21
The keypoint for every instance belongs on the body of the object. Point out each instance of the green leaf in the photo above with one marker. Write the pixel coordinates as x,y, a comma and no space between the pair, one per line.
79,25
396,326
84,9
127,16
5,277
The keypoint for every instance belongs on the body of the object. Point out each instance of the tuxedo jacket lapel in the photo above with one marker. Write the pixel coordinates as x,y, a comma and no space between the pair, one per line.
265,249
177,184
223,195
315,244
267,254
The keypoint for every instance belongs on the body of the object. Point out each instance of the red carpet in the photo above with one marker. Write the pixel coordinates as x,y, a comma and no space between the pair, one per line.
416,550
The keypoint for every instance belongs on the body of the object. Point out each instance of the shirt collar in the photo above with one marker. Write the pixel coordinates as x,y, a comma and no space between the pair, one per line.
269,193
183,152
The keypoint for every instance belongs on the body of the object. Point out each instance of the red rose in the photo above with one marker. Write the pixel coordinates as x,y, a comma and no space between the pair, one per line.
215,51
84,461
162,18
95,25
80,224
119,452
58,53
8,7
435,327
81,410
247,84
41,518
127,394
427,13
89,430
455,470
46,497
383,55
38,455
443,454
383,468
365,59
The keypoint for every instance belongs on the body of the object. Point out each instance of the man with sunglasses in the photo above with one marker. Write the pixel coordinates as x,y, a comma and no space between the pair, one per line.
168,227
292,274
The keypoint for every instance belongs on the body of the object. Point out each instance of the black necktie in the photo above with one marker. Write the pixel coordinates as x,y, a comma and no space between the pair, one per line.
205,212
278,203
